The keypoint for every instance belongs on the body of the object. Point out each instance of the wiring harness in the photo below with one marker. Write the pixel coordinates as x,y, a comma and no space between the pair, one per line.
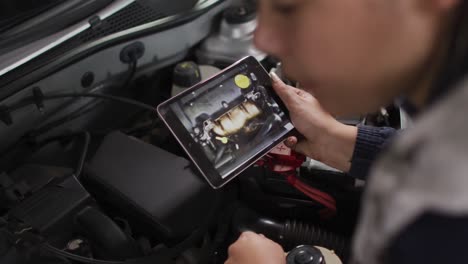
286,164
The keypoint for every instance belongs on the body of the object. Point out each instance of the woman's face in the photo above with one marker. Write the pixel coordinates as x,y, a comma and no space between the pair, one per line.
352,55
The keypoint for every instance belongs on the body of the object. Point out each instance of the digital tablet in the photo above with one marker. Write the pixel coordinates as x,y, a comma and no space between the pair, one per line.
229,121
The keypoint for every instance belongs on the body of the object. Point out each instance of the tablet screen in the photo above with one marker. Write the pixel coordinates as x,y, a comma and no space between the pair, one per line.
228,122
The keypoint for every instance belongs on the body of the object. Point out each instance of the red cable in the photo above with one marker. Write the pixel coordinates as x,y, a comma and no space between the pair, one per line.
294,181
313,193
295,161
331,204
317,192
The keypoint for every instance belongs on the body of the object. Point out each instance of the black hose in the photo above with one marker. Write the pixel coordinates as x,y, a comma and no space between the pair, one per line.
290,233
297,233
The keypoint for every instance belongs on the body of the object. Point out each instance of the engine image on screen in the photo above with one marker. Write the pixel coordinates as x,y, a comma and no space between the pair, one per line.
232,120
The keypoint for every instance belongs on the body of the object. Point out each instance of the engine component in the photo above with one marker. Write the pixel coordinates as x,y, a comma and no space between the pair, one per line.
232,121
53,208
297,233
305,255
109,239
290,233
157,190
186,74
234,39
312,255
27,179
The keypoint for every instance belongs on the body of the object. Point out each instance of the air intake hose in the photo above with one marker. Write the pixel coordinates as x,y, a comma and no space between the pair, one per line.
297,233
290,233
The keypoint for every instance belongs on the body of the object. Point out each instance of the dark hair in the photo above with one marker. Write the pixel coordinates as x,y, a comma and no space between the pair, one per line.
455,65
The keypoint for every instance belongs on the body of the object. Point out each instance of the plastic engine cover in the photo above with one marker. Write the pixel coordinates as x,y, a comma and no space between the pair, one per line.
153,188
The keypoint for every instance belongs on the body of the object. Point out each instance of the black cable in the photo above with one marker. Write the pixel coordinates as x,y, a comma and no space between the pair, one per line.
30,100
84,152
39,101
77,258
131,74
48,126
60,121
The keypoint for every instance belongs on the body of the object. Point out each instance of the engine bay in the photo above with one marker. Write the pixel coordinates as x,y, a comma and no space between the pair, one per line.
89,174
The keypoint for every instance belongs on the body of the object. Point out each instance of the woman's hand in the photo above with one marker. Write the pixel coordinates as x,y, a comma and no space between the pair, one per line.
252,248
325,139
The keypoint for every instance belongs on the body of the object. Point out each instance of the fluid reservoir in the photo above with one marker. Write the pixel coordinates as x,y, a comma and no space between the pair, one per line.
187,74
312,255
234,39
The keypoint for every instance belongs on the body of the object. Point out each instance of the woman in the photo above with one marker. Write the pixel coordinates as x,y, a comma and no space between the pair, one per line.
355,56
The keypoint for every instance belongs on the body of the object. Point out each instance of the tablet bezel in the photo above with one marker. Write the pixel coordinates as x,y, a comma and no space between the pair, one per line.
192,148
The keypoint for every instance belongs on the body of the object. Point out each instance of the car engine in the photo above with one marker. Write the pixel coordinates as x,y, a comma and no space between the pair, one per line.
89,174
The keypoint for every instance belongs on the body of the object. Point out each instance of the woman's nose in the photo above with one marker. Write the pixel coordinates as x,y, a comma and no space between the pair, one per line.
267,38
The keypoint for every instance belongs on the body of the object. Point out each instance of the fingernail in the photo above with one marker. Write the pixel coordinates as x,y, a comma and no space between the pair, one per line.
274,76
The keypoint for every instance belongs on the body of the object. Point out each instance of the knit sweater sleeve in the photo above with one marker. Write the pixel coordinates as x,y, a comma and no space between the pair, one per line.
369,143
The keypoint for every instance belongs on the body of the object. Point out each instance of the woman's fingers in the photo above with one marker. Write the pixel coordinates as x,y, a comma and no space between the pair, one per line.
296,145
284,91
291,96
290,142
302,147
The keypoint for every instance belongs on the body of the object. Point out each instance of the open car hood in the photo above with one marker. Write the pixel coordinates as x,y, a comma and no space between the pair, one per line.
25,21
108,17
